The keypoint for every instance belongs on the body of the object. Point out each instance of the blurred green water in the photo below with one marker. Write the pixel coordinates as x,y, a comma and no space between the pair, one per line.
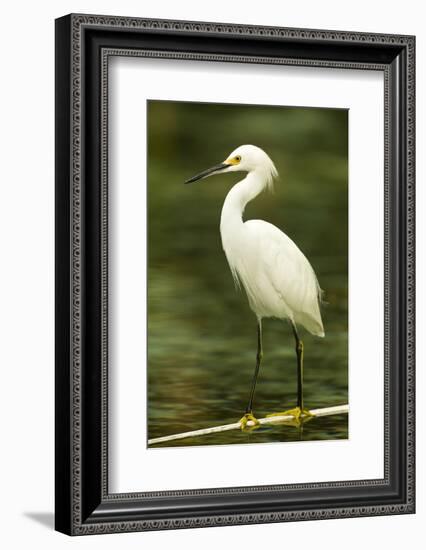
201,332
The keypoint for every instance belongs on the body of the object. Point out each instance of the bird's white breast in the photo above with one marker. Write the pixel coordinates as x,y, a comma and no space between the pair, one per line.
277,277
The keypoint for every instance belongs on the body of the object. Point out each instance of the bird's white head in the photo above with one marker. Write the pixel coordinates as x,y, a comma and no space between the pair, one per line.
246,158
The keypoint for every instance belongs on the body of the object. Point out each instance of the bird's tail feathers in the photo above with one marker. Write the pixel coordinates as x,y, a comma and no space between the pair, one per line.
321,294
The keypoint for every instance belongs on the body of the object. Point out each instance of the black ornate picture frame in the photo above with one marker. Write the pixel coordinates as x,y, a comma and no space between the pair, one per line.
84,43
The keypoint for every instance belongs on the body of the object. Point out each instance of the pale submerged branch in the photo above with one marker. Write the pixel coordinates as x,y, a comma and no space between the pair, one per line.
269,420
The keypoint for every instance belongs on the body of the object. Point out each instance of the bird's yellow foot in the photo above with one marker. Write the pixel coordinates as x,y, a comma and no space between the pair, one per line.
249,417
297,413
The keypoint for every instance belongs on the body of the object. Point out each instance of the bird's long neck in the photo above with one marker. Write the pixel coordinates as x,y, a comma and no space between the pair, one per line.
236,200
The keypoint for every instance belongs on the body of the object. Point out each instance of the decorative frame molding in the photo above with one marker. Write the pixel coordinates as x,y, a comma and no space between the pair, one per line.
84,43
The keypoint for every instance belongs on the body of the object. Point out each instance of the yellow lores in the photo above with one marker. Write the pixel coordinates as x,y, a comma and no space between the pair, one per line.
278,279
233,161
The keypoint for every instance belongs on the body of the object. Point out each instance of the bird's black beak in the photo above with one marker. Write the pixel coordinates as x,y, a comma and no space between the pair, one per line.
210,171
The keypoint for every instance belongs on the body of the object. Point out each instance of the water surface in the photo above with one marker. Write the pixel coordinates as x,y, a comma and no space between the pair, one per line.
201,332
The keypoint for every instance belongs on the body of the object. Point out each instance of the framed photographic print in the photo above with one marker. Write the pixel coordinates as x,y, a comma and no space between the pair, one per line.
234,274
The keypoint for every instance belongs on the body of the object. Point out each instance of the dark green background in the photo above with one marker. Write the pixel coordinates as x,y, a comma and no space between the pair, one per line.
201,332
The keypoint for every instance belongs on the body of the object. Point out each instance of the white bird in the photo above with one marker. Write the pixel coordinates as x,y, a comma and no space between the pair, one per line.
278,279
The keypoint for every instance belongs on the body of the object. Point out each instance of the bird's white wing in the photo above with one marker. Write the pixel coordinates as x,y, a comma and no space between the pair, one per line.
278,262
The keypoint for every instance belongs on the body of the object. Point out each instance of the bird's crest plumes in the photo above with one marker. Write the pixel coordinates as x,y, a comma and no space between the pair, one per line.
265,164
254,159
271,177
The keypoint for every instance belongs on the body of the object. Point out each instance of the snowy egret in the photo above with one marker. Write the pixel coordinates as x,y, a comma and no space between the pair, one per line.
278,279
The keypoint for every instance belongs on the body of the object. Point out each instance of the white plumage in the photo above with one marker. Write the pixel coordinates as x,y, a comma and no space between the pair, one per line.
276,275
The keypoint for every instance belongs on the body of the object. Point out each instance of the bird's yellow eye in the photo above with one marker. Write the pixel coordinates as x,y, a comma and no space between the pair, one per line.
233,161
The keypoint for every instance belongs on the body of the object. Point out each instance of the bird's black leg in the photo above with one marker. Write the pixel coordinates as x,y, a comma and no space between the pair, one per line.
299,413
299,354
259,356
249,410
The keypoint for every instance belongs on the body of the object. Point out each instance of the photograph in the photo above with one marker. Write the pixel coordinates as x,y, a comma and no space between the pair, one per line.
247,293
234,272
